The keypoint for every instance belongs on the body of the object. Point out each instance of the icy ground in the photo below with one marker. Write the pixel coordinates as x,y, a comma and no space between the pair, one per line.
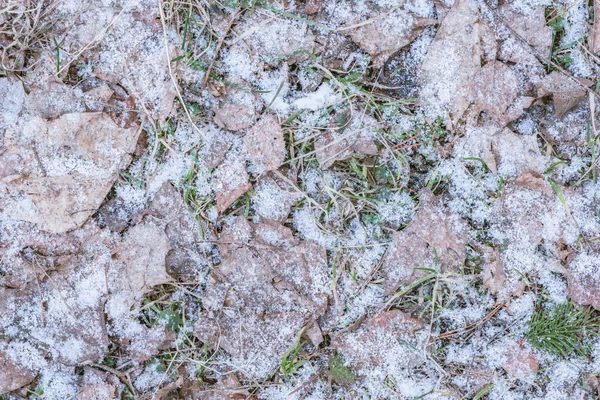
299,199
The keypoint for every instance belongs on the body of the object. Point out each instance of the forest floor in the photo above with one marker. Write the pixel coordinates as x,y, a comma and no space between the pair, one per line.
309,199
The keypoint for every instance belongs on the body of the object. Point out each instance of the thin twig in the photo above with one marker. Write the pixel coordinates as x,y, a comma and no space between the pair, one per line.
469,328
212,63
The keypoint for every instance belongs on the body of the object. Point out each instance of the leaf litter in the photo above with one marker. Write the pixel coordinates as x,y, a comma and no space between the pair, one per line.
323,199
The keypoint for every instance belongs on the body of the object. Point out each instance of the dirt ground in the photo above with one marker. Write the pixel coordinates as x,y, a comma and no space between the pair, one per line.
299,199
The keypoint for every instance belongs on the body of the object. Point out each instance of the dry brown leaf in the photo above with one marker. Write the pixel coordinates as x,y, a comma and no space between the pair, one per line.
529,25
566,94
63,310
493,274
12,98
13,376
97,98
370,345
388,31
218,145
98,385
50,99
273,198
271,38
529,214
503,151
495,89
138,264
583,278
230,181
356,137
464,42
63,173
522,363
432,235
594,35
264,145
234,117
266,284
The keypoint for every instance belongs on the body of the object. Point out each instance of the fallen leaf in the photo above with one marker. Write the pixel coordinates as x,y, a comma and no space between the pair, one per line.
504,152
464,42
50,99
98,385
530,25
66,170
234,117
432,240
493,274
594,35
267,283
264,145
583,278
566,94
356,137
385,31
529,214
375,344
230,181
495,89
273,38
13,376
522,363
12,98
273,198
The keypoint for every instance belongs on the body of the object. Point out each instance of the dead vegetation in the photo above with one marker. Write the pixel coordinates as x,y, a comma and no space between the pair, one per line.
319,199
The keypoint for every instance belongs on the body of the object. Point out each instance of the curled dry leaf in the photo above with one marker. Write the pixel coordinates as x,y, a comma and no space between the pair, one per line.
566,93
264,145
464,42
340,144
386,31
267,283
432,240
61,176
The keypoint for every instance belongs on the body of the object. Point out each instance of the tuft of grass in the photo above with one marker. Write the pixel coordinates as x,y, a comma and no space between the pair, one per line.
290,362
562,330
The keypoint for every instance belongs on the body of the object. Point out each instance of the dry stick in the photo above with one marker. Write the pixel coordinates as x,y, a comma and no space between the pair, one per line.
371,274
37,281
123,377
469,327
541,58
212,63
